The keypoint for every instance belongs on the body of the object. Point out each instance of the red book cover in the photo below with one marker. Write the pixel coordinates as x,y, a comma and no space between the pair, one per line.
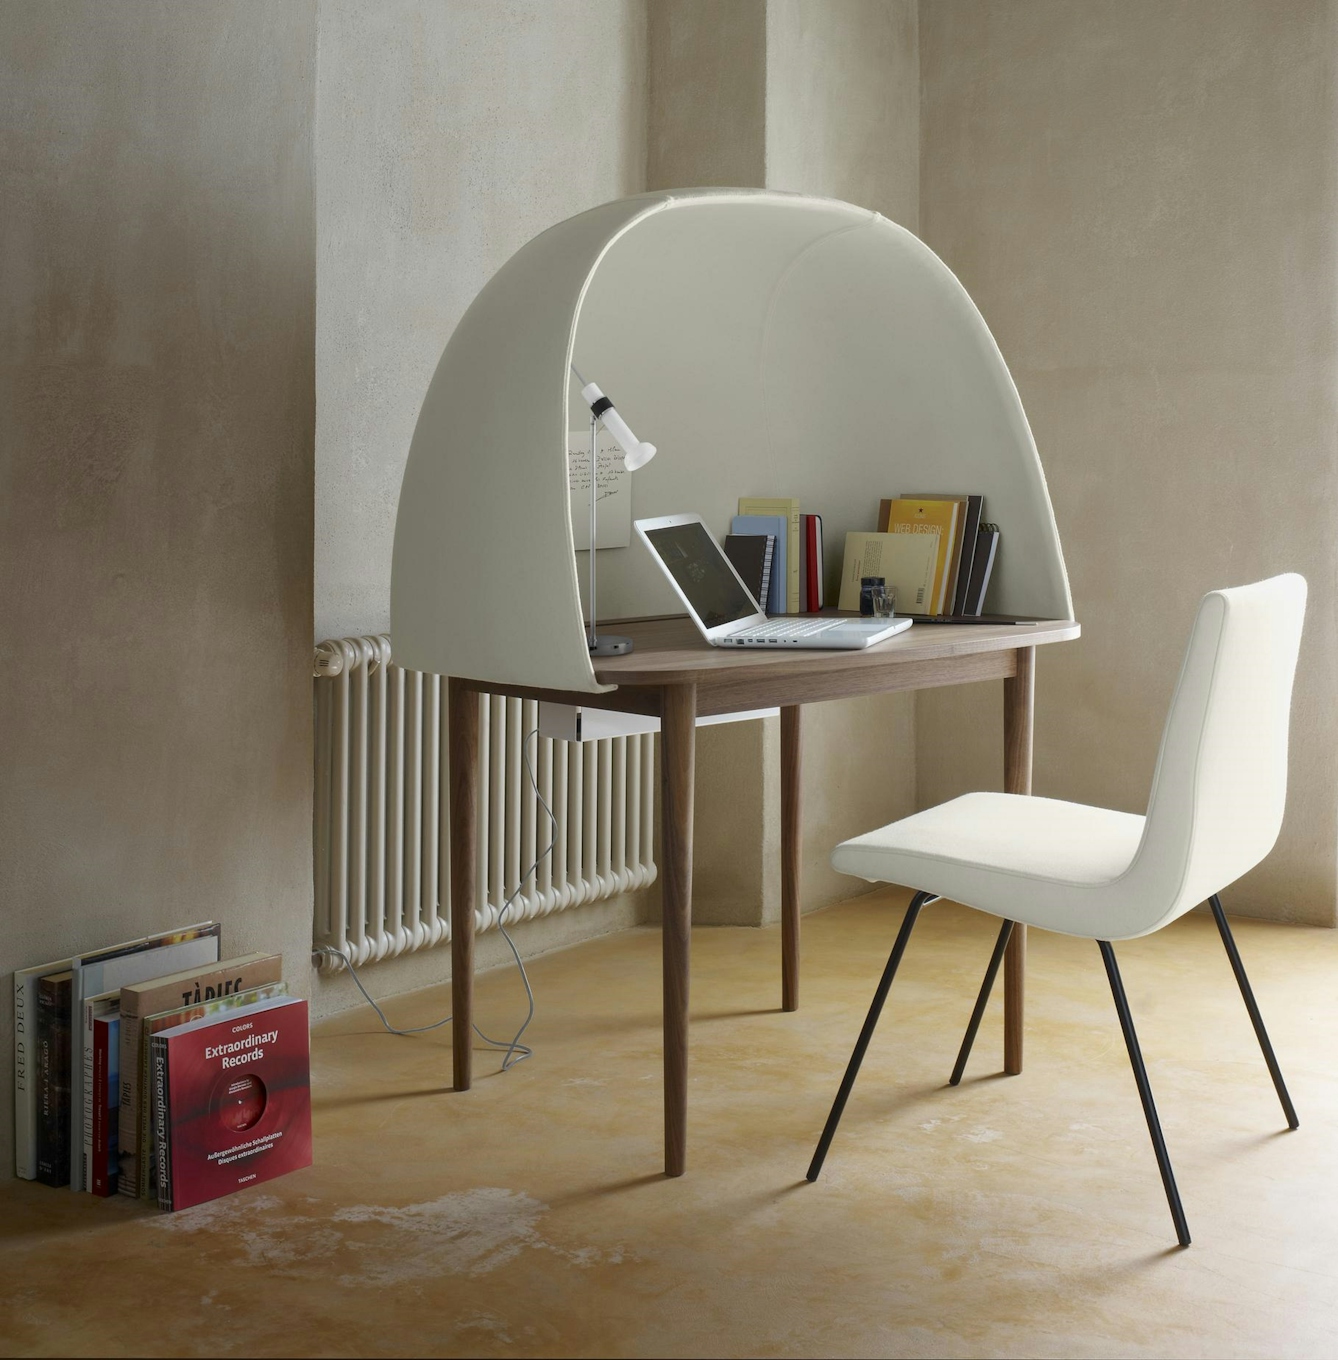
238,1099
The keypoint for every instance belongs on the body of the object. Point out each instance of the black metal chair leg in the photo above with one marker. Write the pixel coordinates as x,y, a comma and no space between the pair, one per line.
981,1002
1145,1092
1256,1019
865,1034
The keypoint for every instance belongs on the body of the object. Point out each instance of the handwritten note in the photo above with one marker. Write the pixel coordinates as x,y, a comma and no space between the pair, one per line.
613,491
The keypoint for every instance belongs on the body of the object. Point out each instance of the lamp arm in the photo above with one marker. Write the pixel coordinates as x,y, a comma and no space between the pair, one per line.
594,510
635,454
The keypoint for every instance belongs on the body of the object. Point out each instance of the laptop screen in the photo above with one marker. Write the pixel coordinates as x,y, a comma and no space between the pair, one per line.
693,558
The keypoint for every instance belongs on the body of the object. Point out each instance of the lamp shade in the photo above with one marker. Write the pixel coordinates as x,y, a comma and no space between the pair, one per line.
635,453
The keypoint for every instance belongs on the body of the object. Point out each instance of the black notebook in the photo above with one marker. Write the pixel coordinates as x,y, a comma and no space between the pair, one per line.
751,556
982,568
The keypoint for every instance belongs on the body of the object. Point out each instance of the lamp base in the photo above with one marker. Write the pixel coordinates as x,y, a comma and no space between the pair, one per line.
610,644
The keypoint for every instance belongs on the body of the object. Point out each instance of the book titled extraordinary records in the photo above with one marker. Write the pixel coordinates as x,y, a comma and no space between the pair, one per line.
160,1003
232,1099
144,1166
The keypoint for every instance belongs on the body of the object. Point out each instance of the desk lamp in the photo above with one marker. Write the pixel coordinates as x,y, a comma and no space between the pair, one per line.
635,455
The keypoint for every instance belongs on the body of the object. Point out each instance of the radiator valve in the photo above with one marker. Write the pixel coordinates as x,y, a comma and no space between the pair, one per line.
329,662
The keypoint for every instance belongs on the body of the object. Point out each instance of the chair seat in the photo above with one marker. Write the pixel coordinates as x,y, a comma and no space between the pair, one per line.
1006,855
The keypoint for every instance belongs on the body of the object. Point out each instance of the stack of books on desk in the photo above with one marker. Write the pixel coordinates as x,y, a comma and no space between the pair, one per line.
933,551
779,554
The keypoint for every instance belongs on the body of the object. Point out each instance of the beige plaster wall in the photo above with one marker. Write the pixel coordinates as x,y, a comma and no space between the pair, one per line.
157,282
843,102
447,135
1141,199
707,94
736,824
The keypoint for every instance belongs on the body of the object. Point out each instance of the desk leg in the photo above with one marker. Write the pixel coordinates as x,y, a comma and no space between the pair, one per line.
791,754
678,748
464,772
1019,705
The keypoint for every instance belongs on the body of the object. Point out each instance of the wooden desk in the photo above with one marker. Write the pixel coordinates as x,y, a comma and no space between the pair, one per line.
675,676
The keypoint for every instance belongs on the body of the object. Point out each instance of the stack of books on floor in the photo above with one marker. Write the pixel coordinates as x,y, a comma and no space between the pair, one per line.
935,552
156,1070
779,554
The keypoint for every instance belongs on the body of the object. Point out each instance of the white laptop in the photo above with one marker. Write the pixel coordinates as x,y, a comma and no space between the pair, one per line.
722,606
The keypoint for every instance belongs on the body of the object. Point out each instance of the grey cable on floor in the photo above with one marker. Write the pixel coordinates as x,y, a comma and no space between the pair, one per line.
515,1051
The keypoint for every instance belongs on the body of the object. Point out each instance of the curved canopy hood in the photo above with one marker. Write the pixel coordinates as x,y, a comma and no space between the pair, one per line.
769,344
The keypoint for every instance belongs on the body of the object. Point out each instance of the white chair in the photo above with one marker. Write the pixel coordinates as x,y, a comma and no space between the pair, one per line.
1215,812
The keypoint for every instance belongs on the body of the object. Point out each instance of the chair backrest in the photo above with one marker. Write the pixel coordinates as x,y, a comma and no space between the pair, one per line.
1221,781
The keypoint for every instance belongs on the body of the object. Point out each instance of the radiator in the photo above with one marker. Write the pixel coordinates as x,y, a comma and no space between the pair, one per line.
381,833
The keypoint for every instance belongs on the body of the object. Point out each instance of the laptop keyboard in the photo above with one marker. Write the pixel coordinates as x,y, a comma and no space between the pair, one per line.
777,629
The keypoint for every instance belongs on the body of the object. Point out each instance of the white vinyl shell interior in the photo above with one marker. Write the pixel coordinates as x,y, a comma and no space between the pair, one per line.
769,345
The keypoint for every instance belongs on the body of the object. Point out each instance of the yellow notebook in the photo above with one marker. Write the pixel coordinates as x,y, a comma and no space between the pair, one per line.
943,519
906,562
789,507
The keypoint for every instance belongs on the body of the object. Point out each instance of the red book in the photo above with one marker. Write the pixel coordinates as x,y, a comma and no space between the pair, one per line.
812,563
233,1096
106,1093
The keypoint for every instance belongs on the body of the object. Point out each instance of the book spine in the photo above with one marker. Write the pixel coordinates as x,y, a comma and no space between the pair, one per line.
776,594
76,1107
987,545
803,563
25,1077
988,572
86,1095
793,585
44,1142
822,566
970,529
953,560
162,1122
53,1126
147,1171
811,602
97,1172
127,1117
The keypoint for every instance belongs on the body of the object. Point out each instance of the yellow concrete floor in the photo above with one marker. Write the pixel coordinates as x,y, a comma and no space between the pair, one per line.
1011,1216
